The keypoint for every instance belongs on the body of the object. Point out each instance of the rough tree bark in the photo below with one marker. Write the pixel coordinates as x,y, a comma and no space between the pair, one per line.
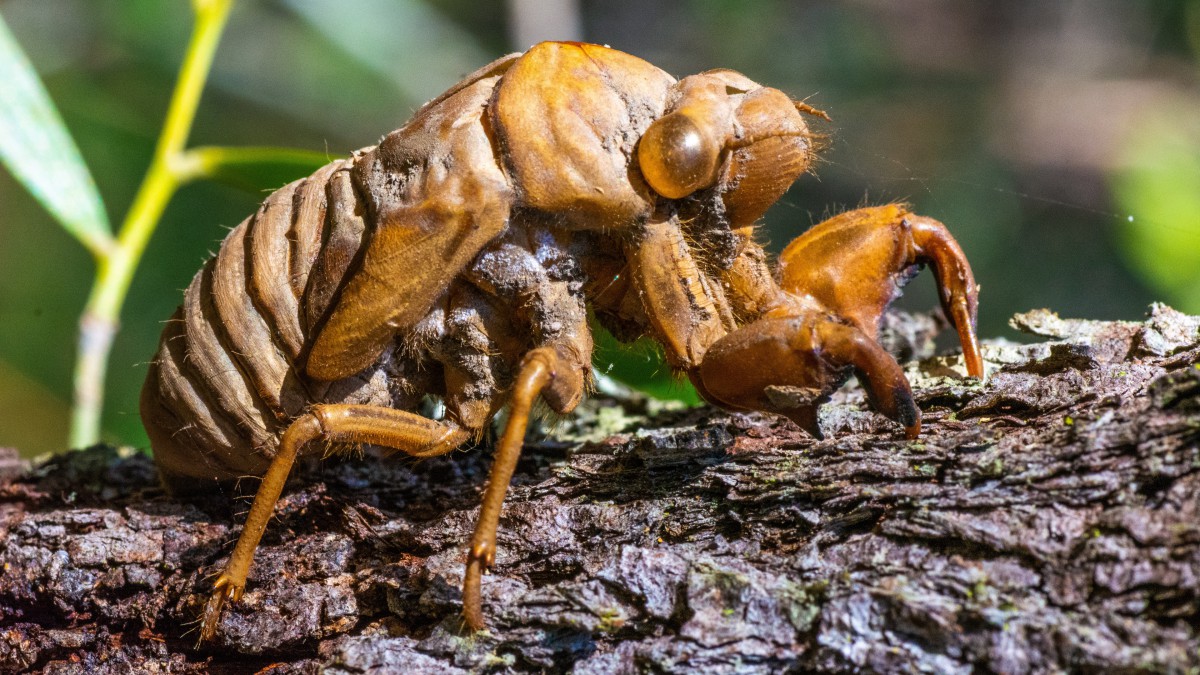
1046,520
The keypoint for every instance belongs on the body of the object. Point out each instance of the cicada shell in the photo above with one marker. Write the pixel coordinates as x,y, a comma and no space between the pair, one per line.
461,256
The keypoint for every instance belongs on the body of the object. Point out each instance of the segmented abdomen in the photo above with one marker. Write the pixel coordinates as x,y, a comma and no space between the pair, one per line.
225,380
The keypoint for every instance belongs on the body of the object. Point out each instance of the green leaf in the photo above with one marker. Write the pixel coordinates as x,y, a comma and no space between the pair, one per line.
254,169
640,365
33,415
36,147
1159,186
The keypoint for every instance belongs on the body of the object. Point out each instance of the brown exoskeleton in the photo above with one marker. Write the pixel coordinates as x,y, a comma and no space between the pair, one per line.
458,258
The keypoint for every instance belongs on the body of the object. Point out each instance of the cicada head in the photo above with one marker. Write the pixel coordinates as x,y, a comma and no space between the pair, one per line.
725,132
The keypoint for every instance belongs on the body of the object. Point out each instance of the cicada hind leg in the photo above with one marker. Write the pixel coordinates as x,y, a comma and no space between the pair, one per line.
337,423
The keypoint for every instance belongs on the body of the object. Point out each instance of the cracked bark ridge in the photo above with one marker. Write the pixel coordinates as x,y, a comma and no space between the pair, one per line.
1046,520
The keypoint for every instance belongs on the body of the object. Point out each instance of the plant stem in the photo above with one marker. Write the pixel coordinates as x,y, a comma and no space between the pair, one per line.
115,268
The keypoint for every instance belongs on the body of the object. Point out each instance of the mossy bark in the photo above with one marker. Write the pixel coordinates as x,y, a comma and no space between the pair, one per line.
1046,520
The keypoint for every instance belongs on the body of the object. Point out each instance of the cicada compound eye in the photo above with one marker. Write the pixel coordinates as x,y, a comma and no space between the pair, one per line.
678,156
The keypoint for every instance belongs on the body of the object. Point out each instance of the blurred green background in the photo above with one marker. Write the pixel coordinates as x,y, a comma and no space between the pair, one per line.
1060,141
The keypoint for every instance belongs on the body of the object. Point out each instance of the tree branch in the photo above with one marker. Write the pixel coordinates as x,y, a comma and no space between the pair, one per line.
1046,520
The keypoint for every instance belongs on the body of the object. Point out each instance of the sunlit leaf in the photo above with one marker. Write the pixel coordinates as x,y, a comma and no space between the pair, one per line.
36,147
1160,190
256,169
640,365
